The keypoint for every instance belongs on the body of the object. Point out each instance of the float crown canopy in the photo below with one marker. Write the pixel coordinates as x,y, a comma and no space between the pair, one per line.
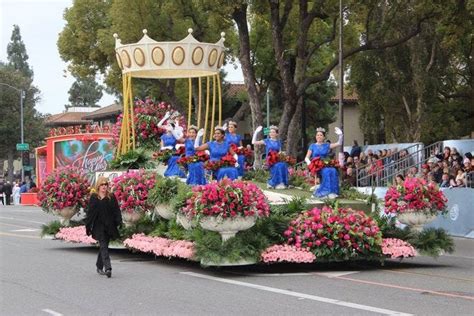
187,58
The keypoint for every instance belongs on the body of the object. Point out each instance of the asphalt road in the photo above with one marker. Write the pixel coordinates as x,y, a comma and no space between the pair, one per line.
49,277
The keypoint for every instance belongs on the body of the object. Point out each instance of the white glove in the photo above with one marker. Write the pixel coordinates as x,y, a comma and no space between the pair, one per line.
167,115
257,130
340,136
178,146
177,132
166,147
197,141
224,127
236,160
307,160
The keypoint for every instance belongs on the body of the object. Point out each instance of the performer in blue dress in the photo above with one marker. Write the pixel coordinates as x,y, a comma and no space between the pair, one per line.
233,138
329,186
218,148
196,172
168,141
279,171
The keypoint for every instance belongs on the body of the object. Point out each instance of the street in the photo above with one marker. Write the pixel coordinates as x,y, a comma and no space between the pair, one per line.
51,277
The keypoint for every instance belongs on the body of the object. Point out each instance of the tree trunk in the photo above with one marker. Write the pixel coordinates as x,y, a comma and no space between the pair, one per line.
294,131
240,17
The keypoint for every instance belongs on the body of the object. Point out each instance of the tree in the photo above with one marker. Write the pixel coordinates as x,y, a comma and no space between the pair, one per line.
423,89
10,114
85,92
308,57
16,54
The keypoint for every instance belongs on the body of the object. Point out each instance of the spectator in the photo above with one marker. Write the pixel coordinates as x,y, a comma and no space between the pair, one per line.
2,191
349,177
399,179
445,181
16,194
355,150
7,188
23,187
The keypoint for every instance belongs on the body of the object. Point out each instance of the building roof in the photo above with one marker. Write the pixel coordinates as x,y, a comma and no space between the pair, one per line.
107,111
234,89
67,119
350,96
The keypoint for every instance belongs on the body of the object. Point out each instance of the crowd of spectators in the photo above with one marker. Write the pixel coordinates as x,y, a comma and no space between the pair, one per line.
449,168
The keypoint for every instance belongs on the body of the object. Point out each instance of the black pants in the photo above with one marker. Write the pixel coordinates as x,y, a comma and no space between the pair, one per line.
8,196
103,258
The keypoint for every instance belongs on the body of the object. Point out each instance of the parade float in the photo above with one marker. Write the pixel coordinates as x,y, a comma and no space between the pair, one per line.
227,222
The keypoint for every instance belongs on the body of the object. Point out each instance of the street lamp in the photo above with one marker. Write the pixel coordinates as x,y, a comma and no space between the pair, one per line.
22,95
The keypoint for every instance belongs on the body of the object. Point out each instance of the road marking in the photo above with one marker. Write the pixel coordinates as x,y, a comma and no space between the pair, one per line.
471,298
335,274
21,220
13,225
16,235
428,274
25,230
298,295
51,312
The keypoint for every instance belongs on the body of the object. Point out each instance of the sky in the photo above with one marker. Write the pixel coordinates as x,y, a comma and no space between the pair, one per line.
40,23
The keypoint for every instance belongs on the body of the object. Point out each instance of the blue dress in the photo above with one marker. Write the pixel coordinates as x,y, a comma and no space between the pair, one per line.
329,179
235,139
173,169
219,150
196,175
279,171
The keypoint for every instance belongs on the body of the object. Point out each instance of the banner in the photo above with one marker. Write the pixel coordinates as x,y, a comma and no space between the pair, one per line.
89,156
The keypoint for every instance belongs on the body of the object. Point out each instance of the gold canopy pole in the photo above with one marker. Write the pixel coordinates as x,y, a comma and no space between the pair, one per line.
206,118
132,116
190,99
199,103
213,116
214,91
220,97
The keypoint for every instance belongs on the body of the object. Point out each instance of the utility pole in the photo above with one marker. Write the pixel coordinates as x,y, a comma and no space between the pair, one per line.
341,75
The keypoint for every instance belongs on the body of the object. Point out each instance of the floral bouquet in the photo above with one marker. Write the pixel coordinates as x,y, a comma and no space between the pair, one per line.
317,164
163,155
179,151
226,161
226,199
395,248
274,157
339,233
131,190
248,153
200,156
64,187
415,195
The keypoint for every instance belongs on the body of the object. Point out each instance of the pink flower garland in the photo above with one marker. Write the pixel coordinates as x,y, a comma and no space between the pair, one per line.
161,246
287,253
75,234
397,248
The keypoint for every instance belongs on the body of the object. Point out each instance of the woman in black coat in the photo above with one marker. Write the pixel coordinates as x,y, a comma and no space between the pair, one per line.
102,222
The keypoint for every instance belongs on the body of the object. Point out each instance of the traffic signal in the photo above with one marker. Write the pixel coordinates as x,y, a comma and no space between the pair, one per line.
25,156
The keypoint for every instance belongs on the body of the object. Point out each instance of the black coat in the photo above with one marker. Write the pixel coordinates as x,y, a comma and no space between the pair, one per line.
7,188
103,217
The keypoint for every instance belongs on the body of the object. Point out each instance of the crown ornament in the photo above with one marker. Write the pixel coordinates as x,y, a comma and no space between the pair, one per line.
320,129
187,58
273,127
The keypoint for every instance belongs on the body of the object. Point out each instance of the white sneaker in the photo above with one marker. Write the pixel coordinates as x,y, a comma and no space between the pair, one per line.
269,186
332,196
281,186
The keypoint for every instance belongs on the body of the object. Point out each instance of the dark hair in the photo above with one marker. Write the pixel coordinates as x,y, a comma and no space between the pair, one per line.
400,176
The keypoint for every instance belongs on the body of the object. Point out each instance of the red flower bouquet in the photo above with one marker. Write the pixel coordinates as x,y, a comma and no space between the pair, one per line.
248,153
274,157
163,155
415,195
227,199
200,156
317,164
64,187
335,233
226,161
179,152
131,190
